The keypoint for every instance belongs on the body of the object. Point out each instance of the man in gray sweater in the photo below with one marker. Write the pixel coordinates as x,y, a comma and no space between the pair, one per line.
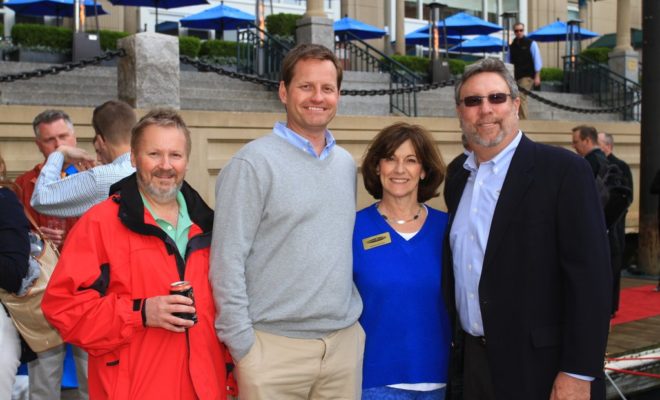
281,261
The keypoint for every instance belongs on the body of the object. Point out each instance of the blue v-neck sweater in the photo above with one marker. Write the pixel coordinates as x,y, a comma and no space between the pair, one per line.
404,314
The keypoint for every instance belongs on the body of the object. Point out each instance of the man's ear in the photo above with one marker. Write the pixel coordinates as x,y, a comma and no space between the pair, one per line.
282,92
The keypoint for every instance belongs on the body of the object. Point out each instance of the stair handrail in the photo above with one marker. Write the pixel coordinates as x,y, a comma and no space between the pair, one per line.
400,75
388,59
274,51
609,87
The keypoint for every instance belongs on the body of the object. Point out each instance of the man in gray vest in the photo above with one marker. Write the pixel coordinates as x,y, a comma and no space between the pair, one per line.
281,256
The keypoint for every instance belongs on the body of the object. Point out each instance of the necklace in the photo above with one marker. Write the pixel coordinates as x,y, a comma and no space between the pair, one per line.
400,221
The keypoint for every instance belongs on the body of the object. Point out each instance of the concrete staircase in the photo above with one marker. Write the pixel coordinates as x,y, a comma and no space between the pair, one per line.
92,86
440,103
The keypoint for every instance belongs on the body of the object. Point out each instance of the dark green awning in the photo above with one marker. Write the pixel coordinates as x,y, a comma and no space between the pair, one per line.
609,40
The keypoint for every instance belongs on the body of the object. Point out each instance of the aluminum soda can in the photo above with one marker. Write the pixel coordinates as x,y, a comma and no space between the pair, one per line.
184,288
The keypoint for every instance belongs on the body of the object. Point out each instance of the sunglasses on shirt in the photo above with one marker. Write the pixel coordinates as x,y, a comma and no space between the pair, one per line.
493,98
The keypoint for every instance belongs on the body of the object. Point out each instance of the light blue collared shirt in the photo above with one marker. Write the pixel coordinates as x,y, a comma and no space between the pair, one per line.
281,130
471,228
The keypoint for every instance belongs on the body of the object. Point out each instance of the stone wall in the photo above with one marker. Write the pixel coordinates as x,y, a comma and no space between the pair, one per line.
218,135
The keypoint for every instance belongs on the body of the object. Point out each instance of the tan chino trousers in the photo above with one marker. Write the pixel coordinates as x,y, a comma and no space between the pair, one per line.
526,83
278,367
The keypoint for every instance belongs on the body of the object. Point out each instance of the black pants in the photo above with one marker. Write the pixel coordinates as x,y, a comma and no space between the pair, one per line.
477,382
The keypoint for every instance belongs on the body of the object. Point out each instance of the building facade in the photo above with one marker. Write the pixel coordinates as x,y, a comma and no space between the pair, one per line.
598,16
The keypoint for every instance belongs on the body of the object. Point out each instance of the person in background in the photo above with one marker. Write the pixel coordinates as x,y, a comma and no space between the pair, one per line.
525,56
531,280
52,129
16,275
606,143
397,265
655,189
111,292
74,195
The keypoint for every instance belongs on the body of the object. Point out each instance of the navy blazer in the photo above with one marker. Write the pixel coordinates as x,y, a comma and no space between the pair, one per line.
545,285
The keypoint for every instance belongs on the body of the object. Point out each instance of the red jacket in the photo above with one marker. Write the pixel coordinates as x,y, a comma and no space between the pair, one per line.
117,256
27,182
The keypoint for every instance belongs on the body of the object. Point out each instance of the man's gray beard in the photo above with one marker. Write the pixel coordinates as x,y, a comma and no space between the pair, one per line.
161,196
474,138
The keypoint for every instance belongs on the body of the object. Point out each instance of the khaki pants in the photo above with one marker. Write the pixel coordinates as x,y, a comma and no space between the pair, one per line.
45,373
278,367
525,83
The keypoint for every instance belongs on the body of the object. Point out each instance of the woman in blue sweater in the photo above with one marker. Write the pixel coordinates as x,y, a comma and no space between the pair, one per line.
397,252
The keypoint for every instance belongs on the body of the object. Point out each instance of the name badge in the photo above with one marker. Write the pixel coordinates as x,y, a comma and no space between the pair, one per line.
376,240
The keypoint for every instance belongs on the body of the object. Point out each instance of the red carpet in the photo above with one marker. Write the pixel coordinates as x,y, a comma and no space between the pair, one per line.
637,303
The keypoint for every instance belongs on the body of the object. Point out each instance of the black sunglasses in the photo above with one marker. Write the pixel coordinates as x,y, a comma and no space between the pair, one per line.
494,98
518,30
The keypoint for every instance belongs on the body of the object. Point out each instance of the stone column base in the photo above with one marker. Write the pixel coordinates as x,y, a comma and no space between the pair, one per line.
317,30
148,75
626,63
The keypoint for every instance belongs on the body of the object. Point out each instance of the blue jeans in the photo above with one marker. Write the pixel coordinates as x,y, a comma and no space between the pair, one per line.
388,393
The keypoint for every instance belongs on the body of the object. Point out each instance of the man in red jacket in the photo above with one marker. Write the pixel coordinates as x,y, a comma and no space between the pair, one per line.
110,293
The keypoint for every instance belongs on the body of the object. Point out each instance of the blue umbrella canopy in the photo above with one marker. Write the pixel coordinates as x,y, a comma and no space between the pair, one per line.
556,32
167,4
358,28
52,8
421,36
465,24
218,17
480,44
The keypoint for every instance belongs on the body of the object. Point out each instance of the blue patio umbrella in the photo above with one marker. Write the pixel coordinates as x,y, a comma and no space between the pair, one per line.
52,8
219,17
166,4
461,24
480,44
421,36
357,28
465,24
557,32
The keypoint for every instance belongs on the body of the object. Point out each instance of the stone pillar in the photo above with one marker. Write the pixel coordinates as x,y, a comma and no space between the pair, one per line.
148,75
400,28
624,60
315,9
623,25
315,26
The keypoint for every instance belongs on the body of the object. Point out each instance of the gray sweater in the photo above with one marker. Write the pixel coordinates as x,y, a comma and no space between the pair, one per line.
281,257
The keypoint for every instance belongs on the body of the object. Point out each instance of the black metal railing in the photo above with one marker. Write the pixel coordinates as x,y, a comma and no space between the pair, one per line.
357,55
260,53
606,87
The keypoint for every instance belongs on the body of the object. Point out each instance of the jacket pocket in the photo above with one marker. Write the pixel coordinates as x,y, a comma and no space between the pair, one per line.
112,369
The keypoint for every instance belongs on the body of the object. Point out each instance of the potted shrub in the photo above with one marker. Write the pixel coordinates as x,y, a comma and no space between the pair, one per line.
41,43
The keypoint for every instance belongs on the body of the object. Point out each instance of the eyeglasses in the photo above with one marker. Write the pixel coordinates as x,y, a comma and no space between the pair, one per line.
518,30
493,98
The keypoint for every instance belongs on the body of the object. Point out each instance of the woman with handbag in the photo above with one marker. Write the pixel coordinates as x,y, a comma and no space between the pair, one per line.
16,276
397,264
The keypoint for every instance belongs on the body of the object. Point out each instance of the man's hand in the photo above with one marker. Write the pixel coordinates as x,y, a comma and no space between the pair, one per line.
537,79
78,157
54,235
568,388
159,309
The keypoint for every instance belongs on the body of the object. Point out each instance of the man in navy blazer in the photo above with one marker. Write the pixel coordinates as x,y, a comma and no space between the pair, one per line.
529,269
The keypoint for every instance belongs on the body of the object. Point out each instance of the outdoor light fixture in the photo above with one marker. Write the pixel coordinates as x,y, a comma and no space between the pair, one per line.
507,17
439,67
